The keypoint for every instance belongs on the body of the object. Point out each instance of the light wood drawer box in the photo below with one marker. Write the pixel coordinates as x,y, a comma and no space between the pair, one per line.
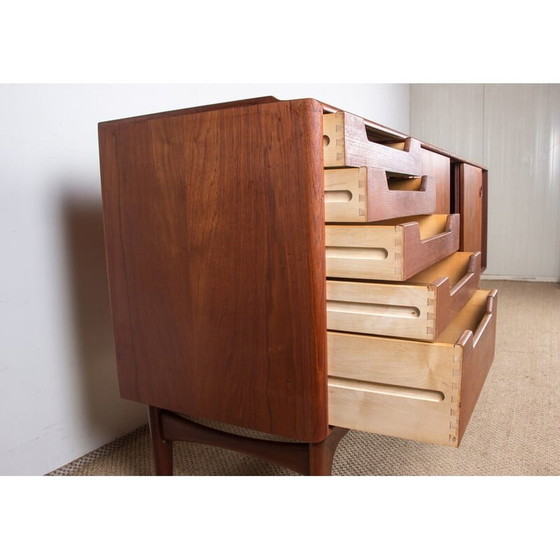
420,309
370,194
346,144
392,250
424,391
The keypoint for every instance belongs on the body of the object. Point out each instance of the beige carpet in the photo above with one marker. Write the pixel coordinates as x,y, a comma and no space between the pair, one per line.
513,430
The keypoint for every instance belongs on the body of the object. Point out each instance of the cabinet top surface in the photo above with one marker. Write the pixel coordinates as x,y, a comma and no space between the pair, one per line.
382,132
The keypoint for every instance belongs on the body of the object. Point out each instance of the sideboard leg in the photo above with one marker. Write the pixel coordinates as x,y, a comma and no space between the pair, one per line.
321,454
162,449
304,458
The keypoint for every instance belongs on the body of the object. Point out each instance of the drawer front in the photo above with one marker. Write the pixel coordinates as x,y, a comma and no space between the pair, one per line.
371,194
410,389
382,309
394,250
346,144
439,167
420,309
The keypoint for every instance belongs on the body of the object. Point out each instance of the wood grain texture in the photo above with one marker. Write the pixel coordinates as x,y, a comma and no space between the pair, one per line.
215,244
366,194
424,391
479,348
439,167
313,459
419,309
346,144
454,281
484,233
391,250
381,309
384,134
199,109
472,207
162,449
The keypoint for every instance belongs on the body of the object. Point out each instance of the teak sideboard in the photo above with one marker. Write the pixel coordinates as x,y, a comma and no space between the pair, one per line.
294,270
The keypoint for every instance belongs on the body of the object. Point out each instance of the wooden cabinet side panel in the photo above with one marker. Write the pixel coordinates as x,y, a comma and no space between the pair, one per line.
215,244
115,261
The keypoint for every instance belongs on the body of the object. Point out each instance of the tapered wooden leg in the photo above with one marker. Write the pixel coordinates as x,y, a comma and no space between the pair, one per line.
162,449
321,454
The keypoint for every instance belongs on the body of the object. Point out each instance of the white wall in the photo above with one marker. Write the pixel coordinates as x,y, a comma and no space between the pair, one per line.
58,389
513,130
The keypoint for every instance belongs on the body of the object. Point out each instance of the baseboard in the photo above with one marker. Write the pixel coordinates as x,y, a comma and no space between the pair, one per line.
521,278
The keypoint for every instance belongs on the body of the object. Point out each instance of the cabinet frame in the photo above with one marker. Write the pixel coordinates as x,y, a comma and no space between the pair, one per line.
252,195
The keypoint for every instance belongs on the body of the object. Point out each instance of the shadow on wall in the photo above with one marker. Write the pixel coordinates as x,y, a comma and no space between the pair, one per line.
106,413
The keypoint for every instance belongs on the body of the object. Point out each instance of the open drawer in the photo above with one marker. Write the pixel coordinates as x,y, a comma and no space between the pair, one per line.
371,194
347,143
420,309
423,391
390,250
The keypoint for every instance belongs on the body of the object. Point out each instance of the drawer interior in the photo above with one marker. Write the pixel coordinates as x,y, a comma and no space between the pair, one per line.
392,250
424,391
470,318
428,225
455,267
419,309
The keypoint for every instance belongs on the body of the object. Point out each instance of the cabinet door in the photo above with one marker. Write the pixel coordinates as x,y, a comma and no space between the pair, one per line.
439,166
472,208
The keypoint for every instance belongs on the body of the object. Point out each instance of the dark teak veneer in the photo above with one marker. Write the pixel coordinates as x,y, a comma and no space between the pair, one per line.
215,246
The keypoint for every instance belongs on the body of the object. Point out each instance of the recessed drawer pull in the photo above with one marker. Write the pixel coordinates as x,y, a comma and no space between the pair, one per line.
371,194
366,253
352,307
338,196
408,184
385,389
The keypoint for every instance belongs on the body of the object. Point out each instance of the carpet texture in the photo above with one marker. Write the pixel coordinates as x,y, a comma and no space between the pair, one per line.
513,430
